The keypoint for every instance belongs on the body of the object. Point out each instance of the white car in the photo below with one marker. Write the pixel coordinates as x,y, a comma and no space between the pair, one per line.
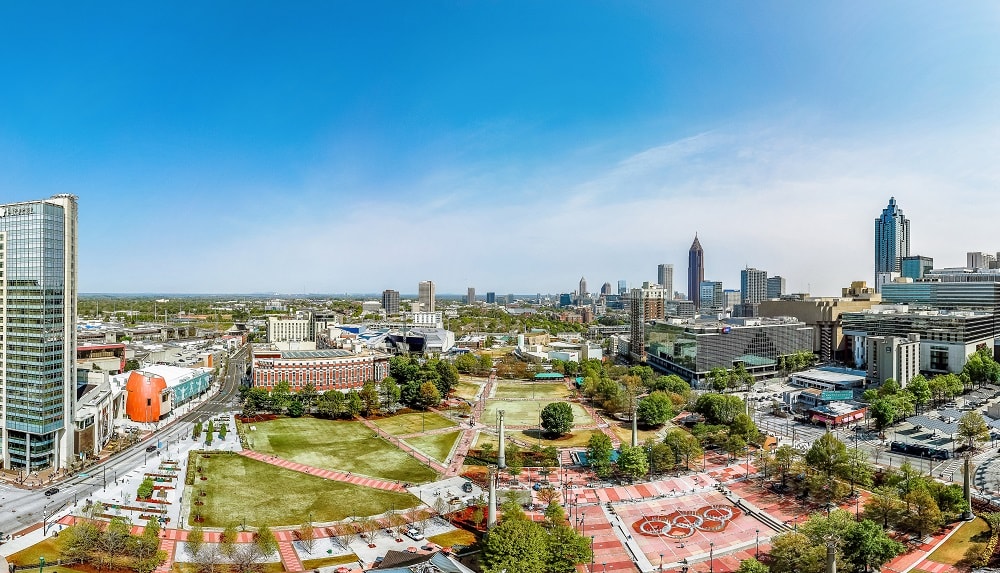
414,534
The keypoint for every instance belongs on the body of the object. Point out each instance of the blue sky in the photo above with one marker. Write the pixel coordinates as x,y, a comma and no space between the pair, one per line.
352,147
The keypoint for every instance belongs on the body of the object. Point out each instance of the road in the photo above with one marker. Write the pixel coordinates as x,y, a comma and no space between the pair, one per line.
21,508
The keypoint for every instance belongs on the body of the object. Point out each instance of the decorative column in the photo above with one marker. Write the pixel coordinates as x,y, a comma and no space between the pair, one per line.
501,452
491,519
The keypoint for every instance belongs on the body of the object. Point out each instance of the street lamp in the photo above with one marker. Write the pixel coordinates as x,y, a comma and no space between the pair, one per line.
661,563
756,546
591,554
711,557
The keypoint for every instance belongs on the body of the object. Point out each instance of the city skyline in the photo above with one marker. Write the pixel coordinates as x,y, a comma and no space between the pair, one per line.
194,138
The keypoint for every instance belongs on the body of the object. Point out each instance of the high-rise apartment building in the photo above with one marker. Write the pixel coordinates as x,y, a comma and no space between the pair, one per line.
753,285
390,302
696,271
892,240
38,291
980,260
775,286
637,324
665,278
425,296
470,296
491,298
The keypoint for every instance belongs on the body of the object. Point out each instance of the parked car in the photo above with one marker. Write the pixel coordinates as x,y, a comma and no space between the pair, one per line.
414,534
150,448
51,491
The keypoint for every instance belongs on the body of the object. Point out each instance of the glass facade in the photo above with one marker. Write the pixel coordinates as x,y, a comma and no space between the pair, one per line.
692,350
38,308
892,239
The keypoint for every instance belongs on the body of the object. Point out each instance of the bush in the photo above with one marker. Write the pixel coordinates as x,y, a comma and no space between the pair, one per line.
976,555
145,490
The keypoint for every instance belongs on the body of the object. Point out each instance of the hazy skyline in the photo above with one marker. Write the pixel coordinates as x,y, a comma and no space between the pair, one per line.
513,147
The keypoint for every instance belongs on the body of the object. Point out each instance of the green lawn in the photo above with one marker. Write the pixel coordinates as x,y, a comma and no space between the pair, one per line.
241,488
413,422
575,439
337,445
531,390
456,537
953,550
467,390
49,548
437,446
329,561
525,413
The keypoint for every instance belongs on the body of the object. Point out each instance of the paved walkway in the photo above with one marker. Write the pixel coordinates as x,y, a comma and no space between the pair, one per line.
326,474
460,451
289,558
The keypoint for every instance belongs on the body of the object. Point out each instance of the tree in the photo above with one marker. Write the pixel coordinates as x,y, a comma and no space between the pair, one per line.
548,495
784,457
923,515
369,397
557,418
196,432
265,540
280,396
566,549
684,445
735,445
632,462
515,544
296,408
973,430
828,455
752,566
308,396
223,430
599,450
981,368
390,393
719,408
478,517
744,427
209,558
661,457
247,557
195,541
719,379
867,546
145,490
353,404
307,535
884,506
794,552
447,377
655,410
227,542
515,460
920,389
554,513
429,395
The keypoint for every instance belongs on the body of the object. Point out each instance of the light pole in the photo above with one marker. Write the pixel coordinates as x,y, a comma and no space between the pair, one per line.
711,557
756,546
591,554
661,563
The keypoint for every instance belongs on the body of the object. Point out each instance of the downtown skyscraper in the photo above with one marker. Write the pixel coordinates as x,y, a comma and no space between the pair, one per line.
665,278
38,294
892,240
696,271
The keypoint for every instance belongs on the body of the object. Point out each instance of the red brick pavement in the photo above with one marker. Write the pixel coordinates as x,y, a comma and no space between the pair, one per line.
327,474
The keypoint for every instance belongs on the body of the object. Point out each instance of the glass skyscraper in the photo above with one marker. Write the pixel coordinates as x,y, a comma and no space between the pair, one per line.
892,239
696,271
38,298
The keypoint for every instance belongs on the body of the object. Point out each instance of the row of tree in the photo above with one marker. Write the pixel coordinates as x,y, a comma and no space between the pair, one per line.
519,544
112,547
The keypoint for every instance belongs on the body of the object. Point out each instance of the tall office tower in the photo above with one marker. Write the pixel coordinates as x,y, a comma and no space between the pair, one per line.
731,298
390,302
470,297
753,285
637,323
491,298
711,295
425,296
696,271
979,260
38,292
606,289
665,278
583,288
892,240
775,286
622,287
916,266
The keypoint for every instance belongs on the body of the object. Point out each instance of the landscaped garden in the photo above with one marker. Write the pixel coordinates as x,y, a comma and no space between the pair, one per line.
346,446
240,489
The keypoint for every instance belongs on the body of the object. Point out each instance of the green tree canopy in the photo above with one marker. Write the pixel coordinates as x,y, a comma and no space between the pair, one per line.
655,409
557,418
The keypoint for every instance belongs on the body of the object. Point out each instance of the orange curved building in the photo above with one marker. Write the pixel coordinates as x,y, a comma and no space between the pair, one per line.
144,391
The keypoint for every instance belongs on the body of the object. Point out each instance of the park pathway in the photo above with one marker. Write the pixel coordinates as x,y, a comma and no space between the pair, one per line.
326,474
462,450
289,558
431,462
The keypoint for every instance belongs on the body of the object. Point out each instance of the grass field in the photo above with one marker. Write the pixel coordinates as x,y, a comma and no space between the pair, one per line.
953,550
624,432
329,561
525,413
413,422
531,390
467,390
456,537
337,445
49,549
239,488
575,439
437,446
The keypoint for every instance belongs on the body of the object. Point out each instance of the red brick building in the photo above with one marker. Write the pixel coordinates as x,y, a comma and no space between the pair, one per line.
324,369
